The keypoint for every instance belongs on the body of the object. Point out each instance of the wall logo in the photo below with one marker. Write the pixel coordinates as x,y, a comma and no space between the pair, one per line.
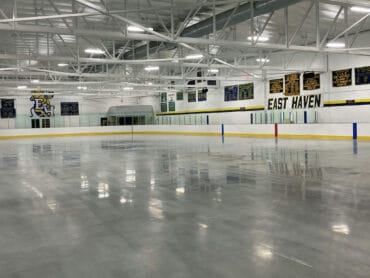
42,106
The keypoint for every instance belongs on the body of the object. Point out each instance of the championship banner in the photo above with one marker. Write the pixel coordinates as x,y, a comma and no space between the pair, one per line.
163,107
192,96
276,86
231,93
7,108
311,81
292,84
246,91
179,96
69,108
163,97
342,78
362,75
171,106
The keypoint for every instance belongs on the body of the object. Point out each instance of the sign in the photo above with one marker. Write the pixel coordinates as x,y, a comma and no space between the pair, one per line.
231,92
7,108
292,84
42,106
171,97
202,95
296,102
179,96
246,91
342,78
163,97
362,75
163,107
311,81
277,86
171,106
192,96
69,108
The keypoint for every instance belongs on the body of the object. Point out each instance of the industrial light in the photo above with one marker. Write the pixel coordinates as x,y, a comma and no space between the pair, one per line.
82,88
194,56
213,70
128,88
360,9
132,28
152,68
35,81
256,38
341,228
150,83
336,44
22,87
61,65
263,60
94,51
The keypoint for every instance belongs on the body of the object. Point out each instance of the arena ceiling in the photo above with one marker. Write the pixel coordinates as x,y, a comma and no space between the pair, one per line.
142,47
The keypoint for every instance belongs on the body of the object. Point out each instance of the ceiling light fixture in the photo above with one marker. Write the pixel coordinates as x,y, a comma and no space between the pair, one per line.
152,68
35,81
259,39
213,70
128,88
94,51
132,28
61,65
360,9
22,87
82,88
194,56
263,60
150,83
336,45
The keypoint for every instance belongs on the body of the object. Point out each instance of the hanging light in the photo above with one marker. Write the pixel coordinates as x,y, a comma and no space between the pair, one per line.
152,68
96,51
336,44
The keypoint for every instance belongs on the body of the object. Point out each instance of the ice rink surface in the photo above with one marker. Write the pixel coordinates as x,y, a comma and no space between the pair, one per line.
181,207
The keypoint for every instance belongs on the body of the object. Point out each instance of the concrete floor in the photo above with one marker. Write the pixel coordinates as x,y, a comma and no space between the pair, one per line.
184,207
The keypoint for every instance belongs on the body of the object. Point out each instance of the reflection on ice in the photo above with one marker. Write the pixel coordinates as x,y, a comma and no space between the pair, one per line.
103,190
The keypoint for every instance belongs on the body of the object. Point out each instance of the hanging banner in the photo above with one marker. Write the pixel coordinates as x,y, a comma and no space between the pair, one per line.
171,106
7,108
277,86
231,93
246,91
362,75
292,84
69,108
296,102
202,95
163,97
192,96
179,96
342,78
163,107
311,81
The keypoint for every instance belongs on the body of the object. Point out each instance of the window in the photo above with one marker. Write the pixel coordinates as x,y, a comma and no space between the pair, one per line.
35,123
45,123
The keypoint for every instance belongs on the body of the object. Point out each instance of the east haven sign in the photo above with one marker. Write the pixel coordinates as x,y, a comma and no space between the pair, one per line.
296,102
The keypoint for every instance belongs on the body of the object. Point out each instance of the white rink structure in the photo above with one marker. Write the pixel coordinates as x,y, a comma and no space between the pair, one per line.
163,138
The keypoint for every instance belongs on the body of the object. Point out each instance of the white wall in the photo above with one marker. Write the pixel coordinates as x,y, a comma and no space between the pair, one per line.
299,62
90,110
